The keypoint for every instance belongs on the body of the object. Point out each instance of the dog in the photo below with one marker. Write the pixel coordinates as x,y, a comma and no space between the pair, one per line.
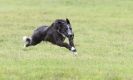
56,33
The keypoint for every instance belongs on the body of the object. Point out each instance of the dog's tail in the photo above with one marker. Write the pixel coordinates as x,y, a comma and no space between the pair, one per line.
27,41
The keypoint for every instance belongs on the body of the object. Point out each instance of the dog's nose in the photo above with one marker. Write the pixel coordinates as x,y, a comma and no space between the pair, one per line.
71,35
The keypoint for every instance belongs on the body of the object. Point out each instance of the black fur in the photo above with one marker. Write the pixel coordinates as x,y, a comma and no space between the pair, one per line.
56,34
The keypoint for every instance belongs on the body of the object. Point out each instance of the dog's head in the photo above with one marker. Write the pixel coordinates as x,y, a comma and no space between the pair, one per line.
64,27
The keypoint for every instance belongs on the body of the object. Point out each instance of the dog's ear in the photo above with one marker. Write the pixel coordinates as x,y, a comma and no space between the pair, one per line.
67,20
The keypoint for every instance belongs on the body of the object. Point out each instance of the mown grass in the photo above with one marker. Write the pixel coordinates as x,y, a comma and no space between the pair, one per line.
103,37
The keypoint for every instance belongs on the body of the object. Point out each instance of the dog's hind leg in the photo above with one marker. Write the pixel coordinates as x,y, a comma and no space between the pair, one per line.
31,41
35,42
27,41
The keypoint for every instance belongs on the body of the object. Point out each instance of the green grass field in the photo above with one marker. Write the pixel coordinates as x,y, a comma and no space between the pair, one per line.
103,37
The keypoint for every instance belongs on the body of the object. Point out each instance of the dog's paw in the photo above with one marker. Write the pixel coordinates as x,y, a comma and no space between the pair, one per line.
74,50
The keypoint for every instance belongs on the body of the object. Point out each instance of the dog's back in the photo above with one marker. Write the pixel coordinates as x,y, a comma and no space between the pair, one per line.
39,34
41,29
37,37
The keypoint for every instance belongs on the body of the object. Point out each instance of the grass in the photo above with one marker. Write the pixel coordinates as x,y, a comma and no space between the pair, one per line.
103,37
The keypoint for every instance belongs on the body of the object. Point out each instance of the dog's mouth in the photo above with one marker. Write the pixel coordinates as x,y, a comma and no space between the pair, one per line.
69,36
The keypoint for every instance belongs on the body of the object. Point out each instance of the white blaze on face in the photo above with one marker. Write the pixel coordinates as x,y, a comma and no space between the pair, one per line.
69,31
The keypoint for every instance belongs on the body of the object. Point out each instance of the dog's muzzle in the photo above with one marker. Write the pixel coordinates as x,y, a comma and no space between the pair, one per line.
71,36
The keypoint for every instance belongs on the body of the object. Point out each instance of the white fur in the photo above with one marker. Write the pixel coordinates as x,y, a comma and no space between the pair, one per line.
69,31
63,35
72,48
24,38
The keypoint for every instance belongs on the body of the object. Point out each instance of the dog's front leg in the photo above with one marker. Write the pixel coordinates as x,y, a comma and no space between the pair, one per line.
71,43
64,45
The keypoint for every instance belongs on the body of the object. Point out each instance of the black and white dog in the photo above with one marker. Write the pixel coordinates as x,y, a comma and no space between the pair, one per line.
56,34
